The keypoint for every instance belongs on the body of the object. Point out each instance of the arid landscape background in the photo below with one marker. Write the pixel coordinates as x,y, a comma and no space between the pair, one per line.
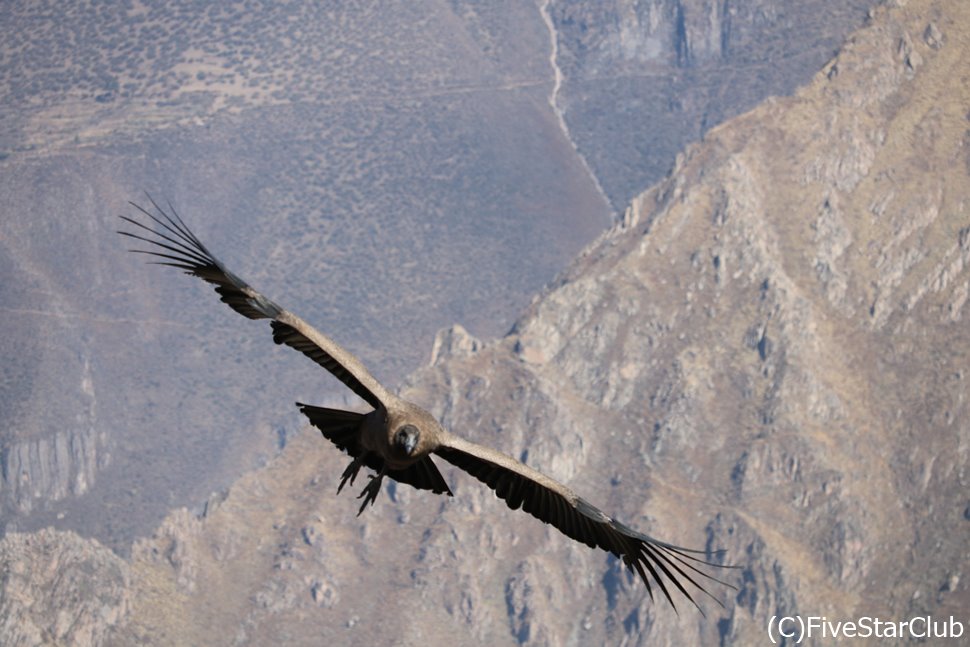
706,265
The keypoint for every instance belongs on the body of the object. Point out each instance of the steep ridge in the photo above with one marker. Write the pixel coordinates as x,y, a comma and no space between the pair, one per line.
768,355
787,312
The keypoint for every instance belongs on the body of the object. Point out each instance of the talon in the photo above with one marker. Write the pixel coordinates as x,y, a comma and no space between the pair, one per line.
370,492
350,473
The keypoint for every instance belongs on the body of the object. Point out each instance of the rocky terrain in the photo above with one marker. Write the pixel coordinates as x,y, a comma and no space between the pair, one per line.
385,168
57,588
767,355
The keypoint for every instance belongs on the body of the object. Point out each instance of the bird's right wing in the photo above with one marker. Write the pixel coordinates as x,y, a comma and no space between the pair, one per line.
553,503
178,247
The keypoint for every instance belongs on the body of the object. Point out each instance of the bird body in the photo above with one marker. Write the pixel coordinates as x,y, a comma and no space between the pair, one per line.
399,415
398,438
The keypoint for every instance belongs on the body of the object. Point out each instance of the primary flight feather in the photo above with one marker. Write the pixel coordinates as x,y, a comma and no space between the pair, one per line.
397,438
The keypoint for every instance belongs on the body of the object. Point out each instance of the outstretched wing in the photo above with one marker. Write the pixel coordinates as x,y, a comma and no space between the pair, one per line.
553,503
177,246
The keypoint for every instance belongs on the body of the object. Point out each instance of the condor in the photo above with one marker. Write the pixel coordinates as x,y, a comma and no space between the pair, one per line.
397,438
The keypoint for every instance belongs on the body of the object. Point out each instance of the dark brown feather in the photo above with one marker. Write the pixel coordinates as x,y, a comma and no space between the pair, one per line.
174,242
283,333
423,475
656,562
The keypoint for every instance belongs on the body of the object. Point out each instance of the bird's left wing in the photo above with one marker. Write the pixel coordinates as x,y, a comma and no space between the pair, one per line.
178,247
553,503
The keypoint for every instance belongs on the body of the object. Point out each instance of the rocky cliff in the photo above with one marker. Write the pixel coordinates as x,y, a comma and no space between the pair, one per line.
767,355
49,468
641,80
59,589
783,319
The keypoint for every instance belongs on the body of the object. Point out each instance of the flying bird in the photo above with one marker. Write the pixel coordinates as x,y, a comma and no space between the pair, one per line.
397,438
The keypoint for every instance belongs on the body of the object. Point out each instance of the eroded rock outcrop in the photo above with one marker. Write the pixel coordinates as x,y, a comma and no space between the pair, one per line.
59,589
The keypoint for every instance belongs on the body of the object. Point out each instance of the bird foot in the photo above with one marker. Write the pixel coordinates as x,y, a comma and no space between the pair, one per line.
350,473
370,492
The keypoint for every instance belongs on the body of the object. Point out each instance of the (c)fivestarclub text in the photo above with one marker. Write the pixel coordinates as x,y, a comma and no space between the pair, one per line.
799,628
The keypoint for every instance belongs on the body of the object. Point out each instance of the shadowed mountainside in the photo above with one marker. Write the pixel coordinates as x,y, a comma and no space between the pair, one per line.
641,80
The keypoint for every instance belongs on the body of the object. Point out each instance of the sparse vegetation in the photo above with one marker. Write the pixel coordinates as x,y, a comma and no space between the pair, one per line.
258,53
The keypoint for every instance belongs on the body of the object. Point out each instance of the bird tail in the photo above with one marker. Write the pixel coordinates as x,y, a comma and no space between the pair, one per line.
340,427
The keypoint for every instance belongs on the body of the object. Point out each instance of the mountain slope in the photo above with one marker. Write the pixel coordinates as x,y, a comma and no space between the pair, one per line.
383,168
767,356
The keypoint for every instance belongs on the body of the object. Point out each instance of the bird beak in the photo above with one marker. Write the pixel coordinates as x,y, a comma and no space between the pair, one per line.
410,443
406,439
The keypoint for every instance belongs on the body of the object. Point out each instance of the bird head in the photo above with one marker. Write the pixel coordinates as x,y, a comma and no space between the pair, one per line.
406,439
